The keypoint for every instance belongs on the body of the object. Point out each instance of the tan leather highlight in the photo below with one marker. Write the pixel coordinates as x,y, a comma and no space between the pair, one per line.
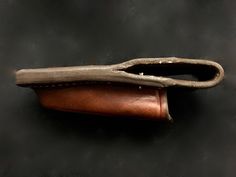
111,100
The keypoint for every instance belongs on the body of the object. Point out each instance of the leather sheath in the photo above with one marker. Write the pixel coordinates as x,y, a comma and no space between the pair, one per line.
135,88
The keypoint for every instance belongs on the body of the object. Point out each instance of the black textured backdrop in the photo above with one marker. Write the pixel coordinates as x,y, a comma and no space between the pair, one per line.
42,143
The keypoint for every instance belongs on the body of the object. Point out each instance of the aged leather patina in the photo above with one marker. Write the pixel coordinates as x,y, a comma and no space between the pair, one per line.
135,88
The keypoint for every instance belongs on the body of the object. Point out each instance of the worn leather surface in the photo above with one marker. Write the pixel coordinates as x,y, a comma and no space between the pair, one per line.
38,142
156,72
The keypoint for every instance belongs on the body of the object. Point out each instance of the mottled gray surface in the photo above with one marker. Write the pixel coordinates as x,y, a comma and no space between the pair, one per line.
37,142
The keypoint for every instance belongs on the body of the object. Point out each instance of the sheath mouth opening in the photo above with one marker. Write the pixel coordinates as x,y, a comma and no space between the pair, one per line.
180,71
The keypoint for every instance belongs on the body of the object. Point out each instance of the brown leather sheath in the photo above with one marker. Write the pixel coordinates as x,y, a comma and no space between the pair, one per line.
135,88
110,100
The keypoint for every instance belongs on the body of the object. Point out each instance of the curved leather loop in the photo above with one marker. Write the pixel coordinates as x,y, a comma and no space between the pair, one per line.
156,72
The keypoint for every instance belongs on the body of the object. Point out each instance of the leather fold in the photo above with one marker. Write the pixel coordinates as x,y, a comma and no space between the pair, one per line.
135,88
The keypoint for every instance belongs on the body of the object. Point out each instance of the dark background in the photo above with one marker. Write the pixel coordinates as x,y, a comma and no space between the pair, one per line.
38,142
